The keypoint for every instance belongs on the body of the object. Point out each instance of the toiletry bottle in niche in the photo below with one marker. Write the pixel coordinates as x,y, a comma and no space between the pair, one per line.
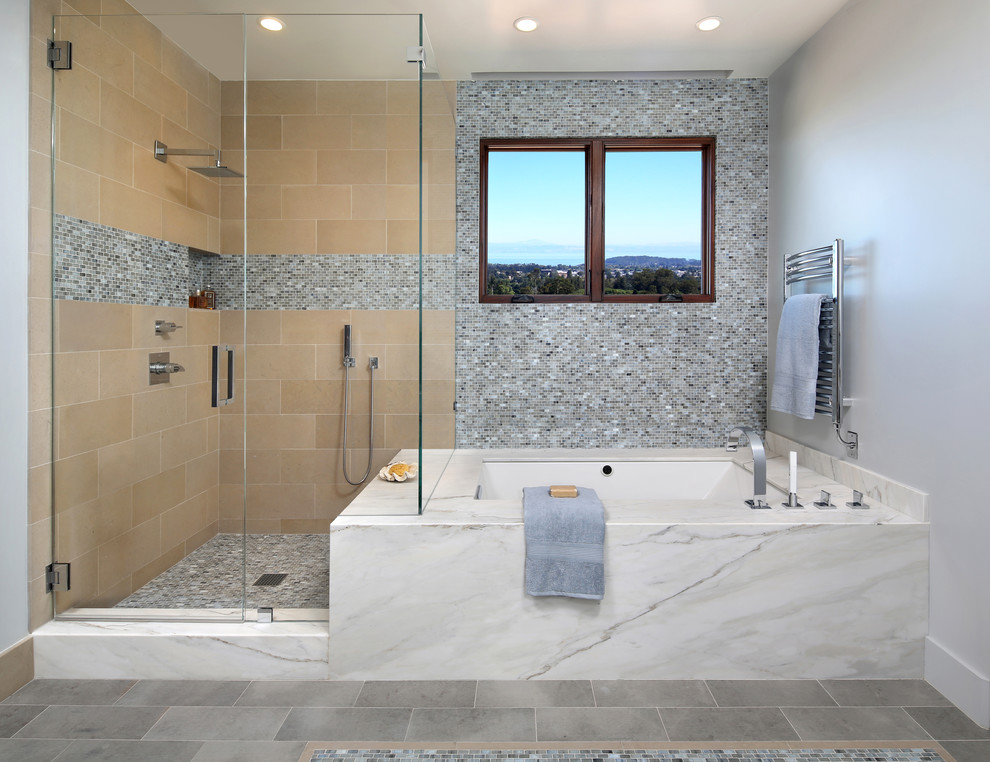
194,299
209,298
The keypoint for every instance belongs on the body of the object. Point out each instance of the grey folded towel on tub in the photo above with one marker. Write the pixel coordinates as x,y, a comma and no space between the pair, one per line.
796,372
565,544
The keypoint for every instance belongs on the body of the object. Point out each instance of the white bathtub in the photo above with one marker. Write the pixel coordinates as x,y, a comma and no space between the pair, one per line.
697,584
622,479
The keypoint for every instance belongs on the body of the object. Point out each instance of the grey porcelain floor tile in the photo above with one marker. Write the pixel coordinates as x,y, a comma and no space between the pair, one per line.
413,693
373,724
301,693
610,725
16,716
526,693
948,723
461,724
734,724
884,693
117,722
968,751
183,693
769,693
250,751
652,693
129,751
868,723
30,750
70,692
218,723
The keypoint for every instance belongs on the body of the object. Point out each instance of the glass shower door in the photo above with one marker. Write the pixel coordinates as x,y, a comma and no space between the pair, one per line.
139,242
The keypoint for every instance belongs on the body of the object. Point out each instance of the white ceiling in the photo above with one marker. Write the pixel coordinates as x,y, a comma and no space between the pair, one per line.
477,36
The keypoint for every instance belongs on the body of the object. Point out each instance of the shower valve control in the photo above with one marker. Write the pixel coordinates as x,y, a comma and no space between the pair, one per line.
165,327
373,363
160,367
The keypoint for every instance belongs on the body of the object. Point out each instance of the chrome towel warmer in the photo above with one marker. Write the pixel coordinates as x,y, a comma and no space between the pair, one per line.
815,264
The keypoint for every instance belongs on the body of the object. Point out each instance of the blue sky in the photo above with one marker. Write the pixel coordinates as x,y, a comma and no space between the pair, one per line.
652,198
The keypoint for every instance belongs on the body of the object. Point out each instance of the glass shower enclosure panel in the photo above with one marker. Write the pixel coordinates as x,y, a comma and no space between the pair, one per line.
145,162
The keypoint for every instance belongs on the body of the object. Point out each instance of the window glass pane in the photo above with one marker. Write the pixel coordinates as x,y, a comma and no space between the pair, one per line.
536,222
653,206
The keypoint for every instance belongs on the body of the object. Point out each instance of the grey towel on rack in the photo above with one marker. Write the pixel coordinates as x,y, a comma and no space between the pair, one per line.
796,371
565,544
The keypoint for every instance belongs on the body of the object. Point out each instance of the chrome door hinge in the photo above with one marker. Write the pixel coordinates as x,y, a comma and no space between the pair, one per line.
60,54
57,578
416,54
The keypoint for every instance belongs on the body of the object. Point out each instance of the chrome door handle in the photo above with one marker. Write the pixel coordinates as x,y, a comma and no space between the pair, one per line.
217,400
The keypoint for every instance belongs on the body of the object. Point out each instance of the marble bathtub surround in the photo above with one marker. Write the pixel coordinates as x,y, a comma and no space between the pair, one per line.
706,588
827,467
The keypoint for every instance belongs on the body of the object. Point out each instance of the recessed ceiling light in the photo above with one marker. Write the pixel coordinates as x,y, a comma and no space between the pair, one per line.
709,24
271,23
525,24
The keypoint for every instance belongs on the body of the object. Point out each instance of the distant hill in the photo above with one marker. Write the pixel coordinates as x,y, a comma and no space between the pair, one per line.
641,262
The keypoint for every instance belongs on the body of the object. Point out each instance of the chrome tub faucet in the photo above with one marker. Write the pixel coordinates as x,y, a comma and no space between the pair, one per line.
759,462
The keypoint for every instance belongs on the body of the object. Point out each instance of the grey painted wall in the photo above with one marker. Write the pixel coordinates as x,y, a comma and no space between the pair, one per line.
14,38
878,135
619,375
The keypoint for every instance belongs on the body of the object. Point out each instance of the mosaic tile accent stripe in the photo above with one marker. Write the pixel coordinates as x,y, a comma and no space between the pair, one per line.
98,263
604,755
618,375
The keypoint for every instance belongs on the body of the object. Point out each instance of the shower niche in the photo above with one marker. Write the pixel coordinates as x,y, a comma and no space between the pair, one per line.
303,186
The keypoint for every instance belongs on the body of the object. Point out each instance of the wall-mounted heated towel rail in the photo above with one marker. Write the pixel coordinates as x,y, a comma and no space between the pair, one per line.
826,262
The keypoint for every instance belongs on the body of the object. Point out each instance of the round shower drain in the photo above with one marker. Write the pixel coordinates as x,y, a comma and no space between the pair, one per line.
607,470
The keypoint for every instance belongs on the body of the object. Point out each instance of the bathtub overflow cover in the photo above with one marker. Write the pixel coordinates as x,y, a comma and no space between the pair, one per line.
607,470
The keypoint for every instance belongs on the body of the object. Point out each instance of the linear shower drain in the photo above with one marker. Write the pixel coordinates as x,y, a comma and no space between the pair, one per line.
270,580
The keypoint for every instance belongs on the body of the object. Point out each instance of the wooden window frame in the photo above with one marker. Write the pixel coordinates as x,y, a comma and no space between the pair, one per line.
594,150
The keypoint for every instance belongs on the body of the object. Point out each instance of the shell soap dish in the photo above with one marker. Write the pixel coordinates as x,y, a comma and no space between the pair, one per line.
397,472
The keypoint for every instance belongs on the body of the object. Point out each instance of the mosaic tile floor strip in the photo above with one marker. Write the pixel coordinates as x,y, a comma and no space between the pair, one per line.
212,575
604,755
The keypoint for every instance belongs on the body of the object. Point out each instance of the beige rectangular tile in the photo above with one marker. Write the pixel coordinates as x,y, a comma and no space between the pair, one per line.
76,480
374,327
76,378
86,527
186,519
232,97
439,201
160,409
296,167
262,396
201,326
77,192
355,166
40,180
215,96
80,95
16,667
164,180
305,526
403,167
314,326
40,339
310,466
369,131
402,202
269,361
369,202
90,425
127,462
122,23
439,237
180,67
175,135
404,237
281,431
126,116
320,396
143,336
205,534
403,98
40,503
438,327
184,226
264,202
279,501
281,236
316,202
351,97
199,402
128,552
231,236
438,363
158,92
263,132
316,131
164,562
183,443
124,207
157,494
97,51
85,326
281,97
330,434
202,121
403,132
88,146
203,195
351,237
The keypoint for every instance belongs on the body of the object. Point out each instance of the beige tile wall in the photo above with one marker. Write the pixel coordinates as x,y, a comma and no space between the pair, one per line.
332,167
294,384
136,466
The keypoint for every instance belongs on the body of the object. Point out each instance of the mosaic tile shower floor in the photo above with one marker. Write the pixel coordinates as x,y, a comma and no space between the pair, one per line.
604,755
211,576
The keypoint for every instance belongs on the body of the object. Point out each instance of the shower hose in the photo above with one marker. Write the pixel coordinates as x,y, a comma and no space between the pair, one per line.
371,424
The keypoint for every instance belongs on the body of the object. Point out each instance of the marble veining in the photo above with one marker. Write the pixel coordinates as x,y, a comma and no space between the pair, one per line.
693,590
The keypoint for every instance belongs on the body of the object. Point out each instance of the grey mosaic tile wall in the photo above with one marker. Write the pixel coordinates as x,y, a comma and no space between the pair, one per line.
618,375
97,263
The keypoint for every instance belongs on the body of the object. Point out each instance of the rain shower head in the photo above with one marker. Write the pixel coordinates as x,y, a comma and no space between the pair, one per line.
162,152
216,171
